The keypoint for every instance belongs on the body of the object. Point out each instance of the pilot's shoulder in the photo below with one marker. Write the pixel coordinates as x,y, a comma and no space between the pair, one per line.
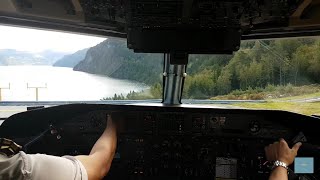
11,167
42,166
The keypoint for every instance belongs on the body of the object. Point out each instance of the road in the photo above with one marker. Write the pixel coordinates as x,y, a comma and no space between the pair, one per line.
309,100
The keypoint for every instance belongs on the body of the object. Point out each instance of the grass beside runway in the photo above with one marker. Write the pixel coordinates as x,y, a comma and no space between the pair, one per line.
307,108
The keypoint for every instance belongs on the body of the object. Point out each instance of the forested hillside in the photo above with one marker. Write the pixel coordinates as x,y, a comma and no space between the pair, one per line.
112,58
256,65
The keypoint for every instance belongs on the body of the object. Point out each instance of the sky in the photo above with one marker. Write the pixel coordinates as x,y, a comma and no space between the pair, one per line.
34,40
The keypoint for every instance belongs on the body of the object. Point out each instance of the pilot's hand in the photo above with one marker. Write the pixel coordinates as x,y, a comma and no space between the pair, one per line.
110,124
280,151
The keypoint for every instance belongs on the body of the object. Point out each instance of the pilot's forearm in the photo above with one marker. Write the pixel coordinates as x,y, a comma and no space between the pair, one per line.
106,144
102,153
98,163
279,173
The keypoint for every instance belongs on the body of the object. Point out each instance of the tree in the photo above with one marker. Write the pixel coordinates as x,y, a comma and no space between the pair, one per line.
224,82
156,91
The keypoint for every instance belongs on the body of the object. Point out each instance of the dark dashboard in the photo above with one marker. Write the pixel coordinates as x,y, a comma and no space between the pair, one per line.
173,142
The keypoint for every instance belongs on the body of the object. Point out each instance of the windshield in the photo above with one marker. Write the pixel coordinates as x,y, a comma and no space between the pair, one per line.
47,66
37,65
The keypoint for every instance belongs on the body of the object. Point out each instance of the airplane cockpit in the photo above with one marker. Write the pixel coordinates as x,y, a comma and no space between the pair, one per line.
171,136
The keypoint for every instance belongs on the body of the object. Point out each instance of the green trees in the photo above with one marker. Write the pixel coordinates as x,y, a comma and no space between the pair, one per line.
257,65
201,85
156,91
224,85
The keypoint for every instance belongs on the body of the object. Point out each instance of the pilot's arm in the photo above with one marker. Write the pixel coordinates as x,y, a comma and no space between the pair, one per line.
99,161
95,166
280,151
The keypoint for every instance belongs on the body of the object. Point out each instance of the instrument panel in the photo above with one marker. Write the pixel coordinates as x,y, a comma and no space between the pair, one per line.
180,123
188,145
169,142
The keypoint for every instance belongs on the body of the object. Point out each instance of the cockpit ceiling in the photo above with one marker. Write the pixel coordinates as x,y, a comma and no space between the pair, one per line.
258,19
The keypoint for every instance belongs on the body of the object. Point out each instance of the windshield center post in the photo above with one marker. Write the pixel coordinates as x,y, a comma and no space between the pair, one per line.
175,66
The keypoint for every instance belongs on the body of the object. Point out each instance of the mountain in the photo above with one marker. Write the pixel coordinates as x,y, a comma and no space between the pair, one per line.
112,58
53,55
15,57
256,66
71,60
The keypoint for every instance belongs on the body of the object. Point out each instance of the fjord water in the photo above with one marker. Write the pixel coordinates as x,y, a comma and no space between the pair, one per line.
59,84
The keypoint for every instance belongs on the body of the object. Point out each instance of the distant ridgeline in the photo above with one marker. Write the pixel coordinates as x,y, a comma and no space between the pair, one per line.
256,65
10,57
113,59
71,60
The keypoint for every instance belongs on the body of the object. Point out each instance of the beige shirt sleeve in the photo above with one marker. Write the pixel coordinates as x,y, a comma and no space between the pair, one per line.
42,167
